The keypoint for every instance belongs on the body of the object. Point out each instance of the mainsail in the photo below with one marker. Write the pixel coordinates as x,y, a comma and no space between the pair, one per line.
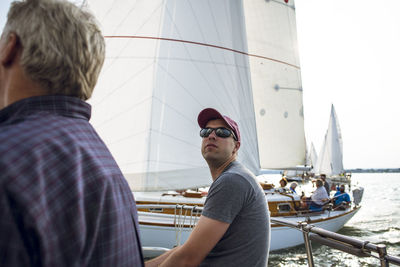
276,82
165,62
330,159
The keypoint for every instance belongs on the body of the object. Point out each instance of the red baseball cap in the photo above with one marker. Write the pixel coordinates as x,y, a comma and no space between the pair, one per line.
209,114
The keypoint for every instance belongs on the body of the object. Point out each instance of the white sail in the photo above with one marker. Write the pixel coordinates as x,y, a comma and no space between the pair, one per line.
330,159
312,157
276,82
165,62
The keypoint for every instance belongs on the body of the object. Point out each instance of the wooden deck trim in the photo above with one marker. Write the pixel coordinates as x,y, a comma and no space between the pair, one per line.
272,225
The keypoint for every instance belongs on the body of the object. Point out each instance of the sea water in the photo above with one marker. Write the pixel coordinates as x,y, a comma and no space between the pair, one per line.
378,221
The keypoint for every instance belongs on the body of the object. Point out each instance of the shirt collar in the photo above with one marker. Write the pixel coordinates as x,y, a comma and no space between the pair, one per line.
56,104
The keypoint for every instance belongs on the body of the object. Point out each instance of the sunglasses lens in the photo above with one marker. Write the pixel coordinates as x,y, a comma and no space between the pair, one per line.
223,132
205,132
220,132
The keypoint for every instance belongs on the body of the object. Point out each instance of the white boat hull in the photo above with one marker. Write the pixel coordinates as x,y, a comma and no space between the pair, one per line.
282,237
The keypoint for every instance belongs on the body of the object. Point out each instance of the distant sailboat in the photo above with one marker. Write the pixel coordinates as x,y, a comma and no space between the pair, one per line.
330,159
312,159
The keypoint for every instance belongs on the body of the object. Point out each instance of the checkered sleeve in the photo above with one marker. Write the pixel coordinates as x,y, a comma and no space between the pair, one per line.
13,251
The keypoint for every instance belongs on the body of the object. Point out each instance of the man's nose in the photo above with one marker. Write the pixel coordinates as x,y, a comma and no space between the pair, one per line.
212,135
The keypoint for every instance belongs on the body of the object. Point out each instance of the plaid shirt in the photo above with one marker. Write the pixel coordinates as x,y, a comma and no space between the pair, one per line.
63,199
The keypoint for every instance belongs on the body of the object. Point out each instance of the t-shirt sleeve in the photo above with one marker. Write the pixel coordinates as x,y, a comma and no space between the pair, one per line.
227,196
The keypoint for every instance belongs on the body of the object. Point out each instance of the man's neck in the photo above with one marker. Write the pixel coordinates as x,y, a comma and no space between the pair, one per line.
218,168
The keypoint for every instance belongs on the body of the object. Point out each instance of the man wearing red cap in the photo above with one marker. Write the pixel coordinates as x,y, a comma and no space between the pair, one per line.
234,228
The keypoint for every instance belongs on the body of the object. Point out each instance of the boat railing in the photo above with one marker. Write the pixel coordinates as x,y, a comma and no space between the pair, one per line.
310,232
340,242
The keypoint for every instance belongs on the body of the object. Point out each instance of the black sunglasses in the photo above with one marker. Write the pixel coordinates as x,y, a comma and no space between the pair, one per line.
220,132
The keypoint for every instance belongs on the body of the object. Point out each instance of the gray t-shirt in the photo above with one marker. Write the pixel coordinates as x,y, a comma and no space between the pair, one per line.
235,197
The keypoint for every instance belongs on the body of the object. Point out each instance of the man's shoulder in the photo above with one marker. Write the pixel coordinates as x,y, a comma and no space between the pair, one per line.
238,169
239,176
26,134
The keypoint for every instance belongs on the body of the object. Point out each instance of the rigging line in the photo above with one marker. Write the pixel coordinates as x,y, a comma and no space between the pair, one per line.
125,137
230,96
179,83
202,75
200,44
122,112
114,90
167,162
178,139
191,120
247,93
186,90
178,163
127,15
292,32
223,64
137,30
108,11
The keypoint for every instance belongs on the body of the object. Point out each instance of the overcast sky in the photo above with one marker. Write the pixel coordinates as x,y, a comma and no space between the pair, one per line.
349,56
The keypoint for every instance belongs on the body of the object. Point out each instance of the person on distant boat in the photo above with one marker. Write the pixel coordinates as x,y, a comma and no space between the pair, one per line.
63,198
283,182
293,187
318,198
234,228
341,199
326,183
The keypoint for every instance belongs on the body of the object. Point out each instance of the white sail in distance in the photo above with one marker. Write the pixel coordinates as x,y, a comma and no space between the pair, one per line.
330,159
276,82
165,62
312,157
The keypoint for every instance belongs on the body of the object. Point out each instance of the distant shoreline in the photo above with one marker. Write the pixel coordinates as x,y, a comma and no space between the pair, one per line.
381,170
358,170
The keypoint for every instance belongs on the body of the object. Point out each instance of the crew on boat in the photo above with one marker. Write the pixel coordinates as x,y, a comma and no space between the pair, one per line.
341,199
326,183
318,199
293,187
283,183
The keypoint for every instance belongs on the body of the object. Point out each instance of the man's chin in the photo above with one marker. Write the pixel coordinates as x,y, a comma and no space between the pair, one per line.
210,156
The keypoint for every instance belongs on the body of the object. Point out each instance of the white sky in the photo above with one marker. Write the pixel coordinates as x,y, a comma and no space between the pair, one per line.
350,57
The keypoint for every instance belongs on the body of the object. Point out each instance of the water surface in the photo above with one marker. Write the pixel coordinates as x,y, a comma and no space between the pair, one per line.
378,221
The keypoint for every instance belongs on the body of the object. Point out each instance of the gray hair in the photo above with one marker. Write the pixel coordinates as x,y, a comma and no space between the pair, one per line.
63,48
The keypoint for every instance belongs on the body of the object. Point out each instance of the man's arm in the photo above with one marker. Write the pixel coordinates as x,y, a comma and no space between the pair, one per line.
157,261
201,241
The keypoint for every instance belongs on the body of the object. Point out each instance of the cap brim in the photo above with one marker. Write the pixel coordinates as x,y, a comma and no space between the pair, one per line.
208,114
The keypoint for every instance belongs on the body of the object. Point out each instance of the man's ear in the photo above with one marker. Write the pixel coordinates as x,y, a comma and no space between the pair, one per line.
237,146
10,49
